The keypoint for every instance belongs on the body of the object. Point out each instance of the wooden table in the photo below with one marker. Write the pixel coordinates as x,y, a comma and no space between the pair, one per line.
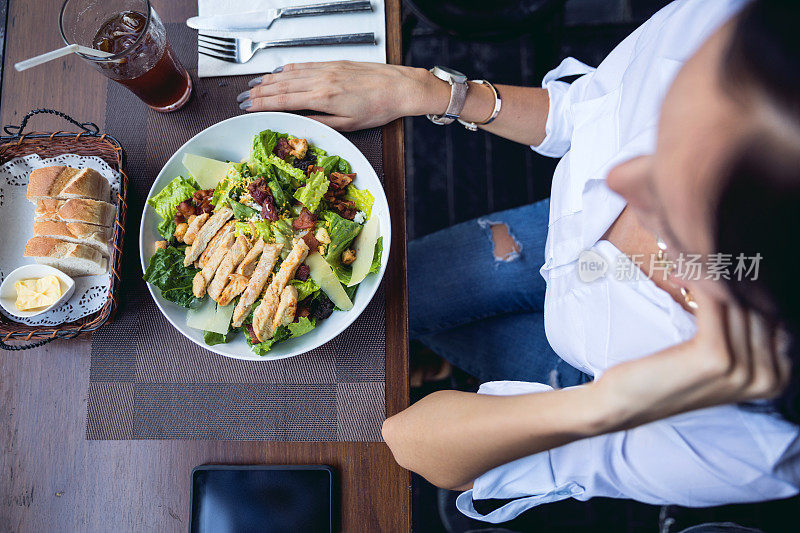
51,477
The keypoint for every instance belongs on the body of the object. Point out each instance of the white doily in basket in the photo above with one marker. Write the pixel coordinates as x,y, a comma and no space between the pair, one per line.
16,227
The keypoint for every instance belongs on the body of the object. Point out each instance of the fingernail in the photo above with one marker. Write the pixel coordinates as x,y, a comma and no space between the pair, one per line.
246,104
279,69
254,82
243,96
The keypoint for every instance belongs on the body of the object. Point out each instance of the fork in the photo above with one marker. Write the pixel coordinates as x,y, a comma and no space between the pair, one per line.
241,50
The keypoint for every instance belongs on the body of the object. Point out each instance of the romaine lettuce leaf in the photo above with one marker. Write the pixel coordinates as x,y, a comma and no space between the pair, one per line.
166,202
333,163
376,259
211,338
281,201
351,292
295,329
167,228
282,227
264,143
311,193
262,228
304,288
287,172
317,152
231,180
362,199
241,211
261,348
341,231
301,327
166,271
329,163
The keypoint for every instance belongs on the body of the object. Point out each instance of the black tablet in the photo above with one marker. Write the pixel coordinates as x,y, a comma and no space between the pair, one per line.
239,499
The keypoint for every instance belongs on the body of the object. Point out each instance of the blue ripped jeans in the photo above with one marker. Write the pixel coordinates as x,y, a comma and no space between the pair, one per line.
481,313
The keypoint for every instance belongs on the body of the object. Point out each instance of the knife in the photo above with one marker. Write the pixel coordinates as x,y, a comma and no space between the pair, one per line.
262,20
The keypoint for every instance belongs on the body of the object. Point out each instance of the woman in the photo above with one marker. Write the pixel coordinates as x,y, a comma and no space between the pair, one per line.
684,142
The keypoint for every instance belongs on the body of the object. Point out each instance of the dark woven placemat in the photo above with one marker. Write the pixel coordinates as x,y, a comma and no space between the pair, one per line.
149,382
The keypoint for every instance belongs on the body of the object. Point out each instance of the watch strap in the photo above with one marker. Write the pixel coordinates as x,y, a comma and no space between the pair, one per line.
458,96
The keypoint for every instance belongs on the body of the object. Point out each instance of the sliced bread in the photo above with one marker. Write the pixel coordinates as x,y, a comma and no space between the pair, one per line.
71,258
97,237
66,182
76,210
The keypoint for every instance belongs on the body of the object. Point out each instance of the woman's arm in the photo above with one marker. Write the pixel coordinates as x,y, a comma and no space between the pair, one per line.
363,95
452,437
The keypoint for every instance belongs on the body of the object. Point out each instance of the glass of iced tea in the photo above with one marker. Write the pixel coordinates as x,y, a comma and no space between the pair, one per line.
142,60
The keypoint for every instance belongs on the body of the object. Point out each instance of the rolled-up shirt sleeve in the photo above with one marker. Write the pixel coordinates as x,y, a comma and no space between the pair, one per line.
558,129
703,458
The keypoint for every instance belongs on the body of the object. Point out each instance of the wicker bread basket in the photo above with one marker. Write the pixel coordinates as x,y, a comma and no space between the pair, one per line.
89,142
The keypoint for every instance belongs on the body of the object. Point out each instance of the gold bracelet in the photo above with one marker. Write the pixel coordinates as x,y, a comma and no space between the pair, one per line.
473,126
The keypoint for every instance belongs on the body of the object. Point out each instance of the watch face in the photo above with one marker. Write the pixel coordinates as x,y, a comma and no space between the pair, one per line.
447,74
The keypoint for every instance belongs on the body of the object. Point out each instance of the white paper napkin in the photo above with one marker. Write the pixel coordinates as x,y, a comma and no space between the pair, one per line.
268,60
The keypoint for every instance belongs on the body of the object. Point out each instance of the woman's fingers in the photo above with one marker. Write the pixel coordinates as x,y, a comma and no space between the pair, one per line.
287,86
281,102
314,65
268,79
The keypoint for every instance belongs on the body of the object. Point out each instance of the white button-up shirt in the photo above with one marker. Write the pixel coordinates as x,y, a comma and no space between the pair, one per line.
708,457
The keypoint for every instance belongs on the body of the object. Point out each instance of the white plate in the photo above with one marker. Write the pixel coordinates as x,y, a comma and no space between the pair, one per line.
231,140
8,291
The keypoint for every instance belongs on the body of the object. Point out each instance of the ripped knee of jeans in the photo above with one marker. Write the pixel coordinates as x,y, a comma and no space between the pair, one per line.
505,247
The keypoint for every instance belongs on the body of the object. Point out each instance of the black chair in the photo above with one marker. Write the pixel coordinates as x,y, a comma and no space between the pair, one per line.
488,20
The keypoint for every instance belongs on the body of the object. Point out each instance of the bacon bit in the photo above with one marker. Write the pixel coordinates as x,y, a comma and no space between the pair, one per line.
282,148
310,240
314,168
263,196
345,208
252,333
258,190
306,220
303,271
186,209
269,210
340,181
302,311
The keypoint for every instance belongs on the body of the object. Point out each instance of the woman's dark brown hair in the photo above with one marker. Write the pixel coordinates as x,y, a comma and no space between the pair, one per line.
759,206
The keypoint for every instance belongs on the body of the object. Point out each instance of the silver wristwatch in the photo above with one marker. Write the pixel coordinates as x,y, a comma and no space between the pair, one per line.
458,94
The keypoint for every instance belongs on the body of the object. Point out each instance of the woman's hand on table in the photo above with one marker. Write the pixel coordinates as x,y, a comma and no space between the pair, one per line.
737,355
350,95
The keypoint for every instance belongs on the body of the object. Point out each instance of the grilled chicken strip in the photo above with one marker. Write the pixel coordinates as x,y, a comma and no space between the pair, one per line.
234,288
228,265
286,308
204,277
209,229
256,285
213,243
194,227
264,315
248,264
